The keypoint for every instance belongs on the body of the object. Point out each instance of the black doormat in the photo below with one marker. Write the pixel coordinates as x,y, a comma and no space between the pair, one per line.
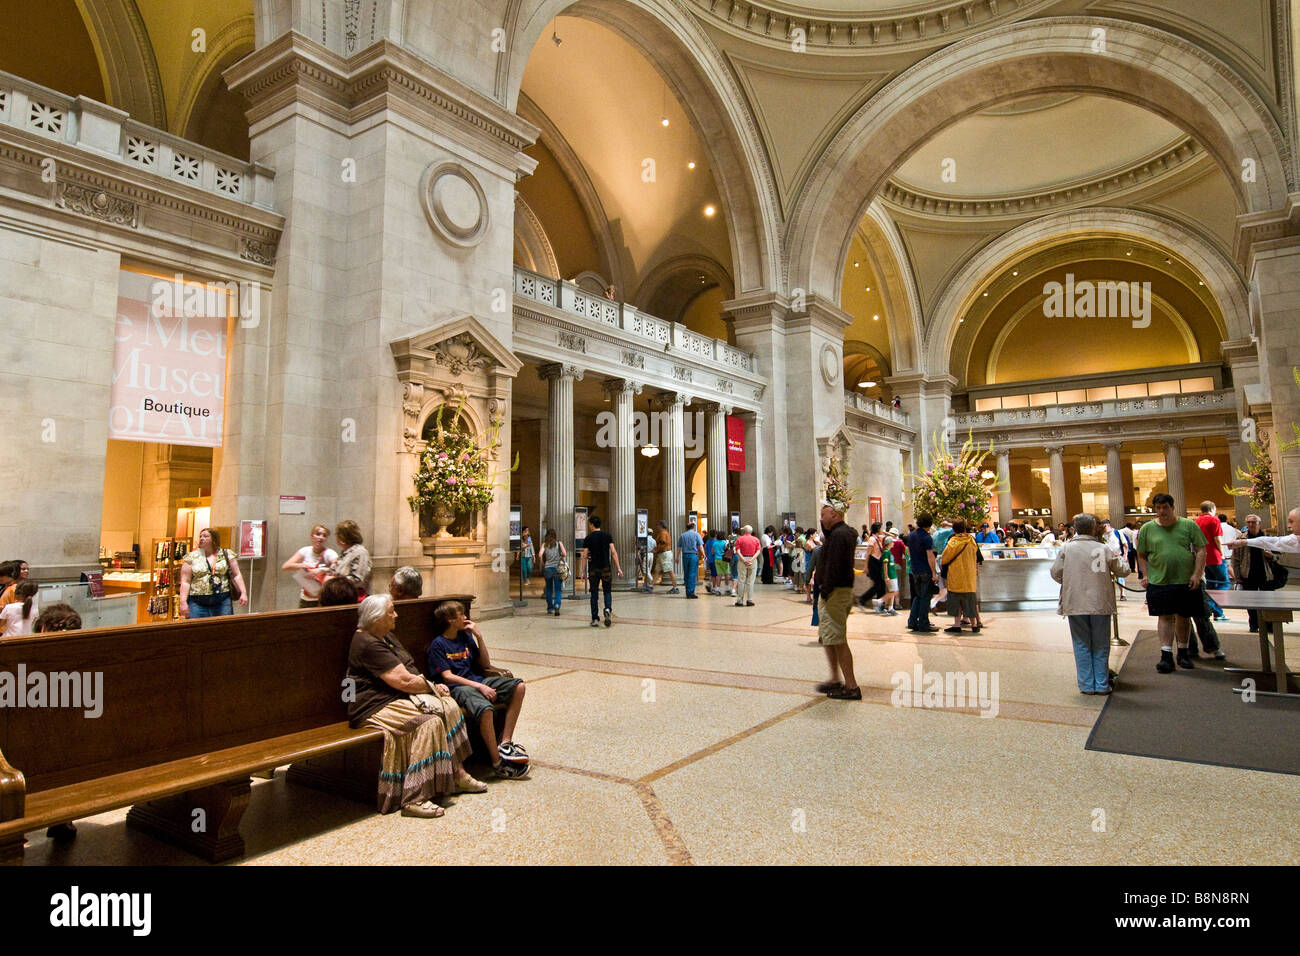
1194,715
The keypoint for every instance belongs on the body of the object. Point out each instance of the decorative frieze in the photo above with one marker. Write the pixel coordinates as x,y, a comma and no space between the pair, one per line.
633,359
98,204
256,250
682,374
571,341
461,353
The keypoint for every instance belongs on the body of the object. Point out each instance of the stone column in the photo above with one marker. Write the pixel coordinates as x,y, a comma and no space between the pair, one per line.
717,465
670,406
622,478
928,404
1115,484
560,484
1174,473
1056,483
1004,487
1273,267
1238,456
754,498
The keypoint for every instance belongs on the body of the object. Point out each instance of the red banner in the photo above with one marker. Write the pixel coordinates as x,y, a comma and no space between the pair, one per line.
735,443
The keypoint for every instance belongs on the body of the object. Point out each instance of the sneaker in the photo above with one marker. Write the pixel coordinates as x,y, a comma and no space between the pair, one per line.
1185,661
1166,665
892,612
693,597
511,771
595,623
1224,620
739,604
674,591
976,628
749,604
608,622
512,753
1220,656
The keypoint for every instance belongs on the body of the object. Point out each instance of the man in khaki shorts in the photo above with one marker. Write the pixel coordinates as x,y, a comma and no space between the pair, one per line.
663,559
834,585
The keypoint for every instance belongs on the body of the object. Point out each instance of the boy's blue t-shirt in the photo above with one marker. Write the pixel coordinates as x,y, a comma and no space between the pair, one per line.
716,548
458,655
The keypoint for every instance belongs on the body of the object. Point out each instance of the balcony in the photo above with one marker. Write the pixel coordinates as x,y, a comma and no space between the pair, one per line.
671,337
882,410
108,133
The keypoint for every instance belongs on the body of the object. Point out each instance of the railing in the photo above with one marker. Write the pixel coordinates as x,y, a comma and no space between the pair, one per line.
619,315
873,407
1223,400
109,132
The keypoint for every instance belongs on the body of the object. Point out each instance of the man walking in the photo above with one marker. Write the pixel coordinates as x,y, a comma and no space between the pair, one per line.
921,550
747,548
664,557
1216,572
834,587
1171,555
690,548
600,552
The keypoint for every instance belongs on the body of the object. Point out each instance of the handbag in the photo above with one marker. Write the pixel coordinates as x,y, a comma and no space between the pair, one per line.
1281,574
562,568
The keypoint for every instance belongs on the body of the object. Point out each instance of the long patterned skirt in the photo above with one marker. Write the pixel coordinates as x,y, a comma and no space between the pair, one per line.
421,752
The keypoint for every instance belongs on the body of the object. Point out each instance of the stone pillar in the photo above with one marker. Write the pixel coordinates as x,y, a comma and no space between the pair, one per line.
670,406
717,465
1073,486
1174,473
560,484
754,499
1115,495
1004,487
1056,482
622,478
928,404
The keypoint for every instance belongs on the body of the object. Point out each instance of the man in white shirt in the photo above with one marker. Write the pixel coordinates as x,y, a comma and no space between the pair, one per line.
1048,538
1287,544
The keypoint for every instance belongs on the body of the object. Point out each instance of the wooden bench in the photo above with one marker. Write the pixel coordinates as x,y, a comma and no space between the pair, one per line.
190,710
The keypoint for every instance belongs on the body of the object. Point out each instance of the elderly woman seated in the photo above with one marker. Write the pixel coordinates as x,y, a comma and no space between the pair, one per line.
424,732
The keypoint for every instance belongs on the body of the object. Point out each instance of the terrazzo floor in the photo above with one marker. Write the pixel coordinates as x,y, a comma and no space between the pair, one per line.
690,733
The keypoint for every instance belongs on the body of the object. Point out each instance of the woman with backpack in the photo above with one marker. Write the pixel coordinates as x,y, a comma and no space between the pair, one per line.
209,578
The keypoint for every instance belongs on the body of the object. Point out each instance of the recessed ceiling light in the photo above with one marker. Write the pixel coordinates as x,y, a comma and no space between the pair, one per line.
857,265
664,121
1199,282
875,318
691,164
986,295
709,210
1014,272
1129,253
868,288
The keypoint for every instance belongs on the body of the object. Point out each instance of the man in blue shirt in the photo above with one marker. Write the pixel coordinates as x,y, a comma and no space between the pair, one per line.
921,549
457,658
690,549
986,535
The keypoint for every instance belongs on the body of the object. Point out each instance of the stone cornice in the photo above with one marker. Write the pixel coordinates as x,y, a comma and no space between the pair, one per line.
1259,231
1136,175
771,23
294,68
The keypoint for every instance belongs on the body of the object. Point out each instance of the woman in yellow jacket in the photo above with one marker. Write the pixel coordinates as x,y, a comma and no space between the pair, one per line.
959,560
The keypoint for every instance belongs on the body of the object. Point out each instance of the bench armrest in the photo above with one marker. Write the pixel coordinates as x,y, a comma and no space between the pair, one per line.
13,791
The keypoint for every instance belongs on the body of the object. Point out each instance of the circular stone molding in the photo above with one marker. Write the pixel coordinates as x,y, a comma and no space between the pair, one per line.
454,203
830,365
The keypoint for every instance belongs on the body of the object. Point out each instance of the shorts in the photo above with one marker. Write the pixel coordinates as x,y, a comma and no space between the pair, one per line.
833,617
963,604
891,584
664,562
721,567
475,704
1176,599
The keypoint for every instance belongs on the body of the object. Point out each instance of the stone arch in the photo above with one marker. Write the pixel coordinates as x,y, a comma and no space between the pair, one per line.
703,83
1142,65
203,81
893,269
126,59
1220,275
532,242
653,284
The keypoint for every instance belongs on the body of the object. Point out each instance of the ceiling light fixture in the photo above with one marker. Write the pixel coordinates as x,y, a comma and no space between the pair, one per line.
691,164
1014,272
987,475
709,210
866,384
868,288
1129,253
857,265
650,450
555,35
875,318
1206,462
664,121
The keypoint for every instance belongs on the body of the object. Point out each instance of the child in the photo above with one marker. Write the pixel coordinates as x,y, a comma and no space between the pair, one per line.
456,658
890,603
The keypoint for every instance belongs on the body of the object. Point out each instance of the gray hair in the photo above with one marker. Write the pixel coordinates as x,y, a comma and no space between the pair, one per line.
747,529
408,581
1085,524
372,609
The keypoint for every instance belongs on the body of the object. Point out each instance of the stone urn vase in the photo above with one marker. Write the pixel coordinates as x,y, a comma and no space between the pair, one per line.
442,517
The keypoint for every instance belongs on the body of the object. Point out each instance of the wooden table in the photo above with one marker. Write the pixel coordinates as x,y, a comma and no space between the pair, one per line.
1273,608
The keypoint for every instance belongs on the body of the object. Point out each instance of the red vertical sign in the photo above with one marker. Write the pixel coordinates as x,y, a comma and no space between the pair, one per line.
876,507
735,443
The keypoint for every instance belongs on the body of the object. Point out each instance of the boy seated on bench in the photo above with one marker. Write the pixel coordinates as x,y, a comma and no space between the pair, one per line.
457,657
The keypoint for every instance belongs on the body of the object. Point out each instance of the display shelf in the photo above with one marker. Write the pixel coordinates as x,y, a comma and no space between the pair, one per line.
164,578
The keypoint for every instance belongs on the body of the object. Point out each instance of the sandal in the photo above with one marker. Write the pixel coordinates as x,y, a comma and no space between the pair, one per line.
429,810
468,784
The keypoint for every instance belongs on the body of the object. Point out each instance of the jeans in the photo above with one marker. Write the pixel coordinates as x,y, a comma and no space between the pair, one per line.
745,582
597,577
1216,579
919,618
216,610
1091,636
553,589
526,568
690,571
1203,629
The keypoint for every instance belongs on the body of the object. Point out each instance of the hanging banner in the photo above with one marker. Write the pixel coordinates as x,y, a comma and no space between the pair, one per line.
735,443
876,509
169,360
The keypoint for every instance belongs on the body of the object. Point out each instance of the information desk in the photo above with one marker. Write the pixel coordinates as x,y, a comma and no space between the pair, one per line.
1017,578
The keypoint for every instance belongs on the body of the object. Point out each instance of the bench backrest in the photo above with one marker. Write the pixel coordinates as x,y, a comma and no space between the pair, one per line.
181,689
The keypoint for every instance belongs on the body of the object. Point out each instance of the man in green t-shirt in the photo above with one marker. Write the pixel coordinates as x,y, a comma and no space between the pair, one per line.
1171,551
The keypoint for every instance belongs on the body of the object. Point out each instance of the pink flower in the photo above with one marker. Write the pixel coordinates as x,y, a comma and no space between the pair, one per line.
442,456
451,481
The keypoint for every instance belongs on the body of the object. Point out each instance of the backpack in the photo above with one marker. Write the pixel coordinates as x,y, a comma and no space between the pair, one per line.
729,551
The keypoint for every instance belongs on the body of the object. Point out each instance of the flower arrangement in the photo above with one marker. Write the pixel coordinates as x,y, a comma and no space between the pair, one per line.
455,470
836,487
952,487
1256,479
